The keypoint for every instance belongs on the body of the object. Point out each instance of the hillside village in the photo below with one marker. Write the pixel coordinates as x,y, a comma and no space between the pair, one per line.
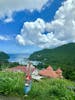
38,74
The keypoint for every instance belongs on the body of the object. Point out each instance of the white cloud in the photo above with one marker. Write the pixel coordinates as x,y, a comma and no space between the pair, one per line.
9,19
64,24
31,34
5,38
60,31
7,6
20,39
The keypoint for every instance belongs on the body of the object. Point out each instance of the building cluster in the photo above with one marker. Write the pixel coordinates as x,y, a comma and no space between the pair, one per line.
38,74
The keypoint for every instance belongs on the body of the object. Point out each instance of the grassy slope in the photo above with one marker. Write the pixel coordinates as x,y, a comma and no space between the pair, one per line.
46,89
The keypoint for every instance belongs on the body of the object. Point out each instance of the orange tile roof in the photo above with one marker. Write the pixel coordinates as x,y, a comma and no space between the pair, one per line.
20,68
58,71
49,68
49,72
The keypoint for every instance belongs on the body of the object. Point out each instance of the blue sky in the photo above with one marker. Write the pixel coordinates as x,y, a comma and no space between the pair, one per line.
32,27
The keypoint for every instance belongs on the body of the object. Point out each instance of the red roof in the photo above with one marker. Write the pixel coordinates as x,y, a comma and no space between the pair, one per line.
18,68
58,71
49,68
49,72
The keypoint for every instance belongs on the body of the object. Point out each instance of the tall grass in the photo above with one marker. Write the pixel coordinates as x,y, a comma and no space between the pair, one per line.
11,83
52,89
46,89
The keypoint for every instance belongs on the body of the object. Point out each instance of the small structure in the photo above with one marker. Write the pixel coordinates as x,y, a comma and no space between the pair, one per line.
35,75
49,72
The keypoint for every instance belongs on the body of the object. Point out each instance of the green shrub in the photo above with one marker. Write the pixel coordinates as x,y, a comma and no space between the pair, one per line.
46,89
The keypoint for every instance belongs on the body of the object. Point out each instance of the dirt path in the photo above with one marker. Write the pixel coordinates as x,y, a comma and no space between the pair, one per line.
10,98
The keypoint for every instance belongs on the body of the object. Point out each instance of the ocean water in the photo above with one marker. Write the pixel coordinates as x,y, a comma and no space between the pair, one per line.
21,58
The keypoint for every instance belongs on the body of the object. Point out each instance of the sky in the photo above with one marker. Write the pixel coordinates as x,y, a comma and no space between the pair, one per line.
27,26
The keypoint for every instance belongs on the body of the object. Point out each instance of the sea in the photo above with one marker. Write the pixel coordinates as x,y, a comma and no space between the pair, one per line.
21,59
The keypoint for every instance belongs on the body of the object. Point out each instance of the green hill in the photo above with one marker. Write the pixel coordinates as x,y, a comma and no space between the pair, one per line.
3,57
61,55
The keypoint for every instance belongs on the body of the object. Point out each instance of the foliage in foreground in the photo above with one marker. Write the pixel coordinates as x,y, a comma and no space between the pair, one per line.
11,83
46,89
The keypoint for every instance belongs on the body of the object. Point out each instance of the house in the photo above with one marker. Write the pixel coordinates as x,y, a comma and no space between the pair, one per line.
35,75
38,74
49,72
25,69
18,69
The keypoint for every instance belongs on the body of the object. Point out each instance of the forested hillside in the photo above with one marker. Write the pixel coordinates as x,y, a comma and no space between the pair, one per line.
61,55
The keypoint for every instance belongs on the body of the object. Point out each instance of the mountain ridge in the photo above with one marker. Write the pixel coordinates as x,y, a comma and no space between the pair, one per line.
62,55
